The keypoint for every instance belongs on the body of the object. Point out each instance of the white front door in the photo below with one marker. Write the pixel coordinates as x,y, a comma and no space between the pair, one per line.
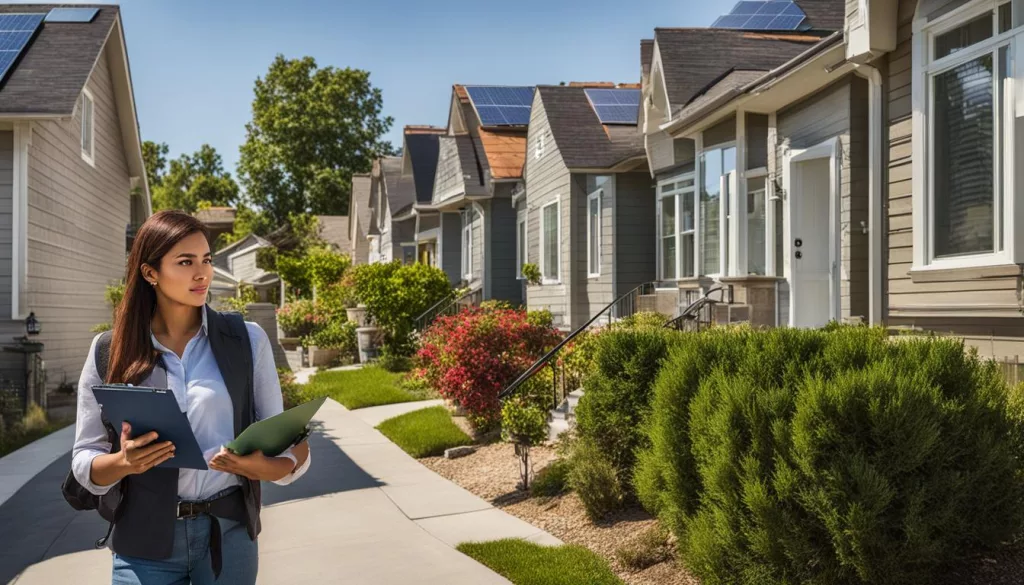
812,243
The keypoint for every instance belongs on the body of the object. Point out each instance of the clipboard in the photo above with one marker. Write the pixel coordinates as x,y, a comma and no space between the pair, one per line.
275,434
152,409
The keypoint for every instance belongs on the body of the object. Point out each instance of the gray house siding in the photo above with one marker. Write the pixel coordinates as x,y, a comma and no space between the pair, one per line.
449,242
481,211
591,294
502,273
757,141
547,179
829,114
77,214
634,242
448,180
6,202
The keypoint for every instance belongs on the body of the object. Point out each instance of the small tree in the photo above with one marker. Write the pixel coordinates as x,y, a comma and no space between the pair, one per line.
524,425
246,295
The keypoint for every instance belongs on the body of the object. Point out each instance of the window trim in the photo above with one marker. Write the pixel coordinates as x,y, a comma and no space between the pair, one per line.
467,245
924,70
558,239
676,195
597,195
522,243
90,155
723,234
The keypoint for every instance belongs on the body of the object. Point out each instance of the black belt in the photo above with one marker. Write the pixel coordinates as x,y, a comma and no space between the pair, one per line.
231,505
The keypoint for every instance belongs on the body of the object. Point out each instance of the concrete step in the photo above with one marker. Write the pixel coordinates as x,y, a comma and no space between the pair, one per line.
557,427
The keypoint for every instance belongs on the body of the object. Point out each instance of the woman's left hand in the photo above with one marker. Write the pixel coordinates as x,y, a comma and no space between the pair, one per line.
255,465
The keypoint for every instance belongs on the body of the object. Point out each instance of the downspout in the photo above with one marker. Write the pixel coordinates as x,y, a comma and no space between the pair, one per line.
875,186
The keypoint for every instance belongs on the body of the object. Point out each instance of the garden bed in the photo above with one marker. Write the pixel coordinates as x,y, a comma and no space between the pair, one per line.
492,474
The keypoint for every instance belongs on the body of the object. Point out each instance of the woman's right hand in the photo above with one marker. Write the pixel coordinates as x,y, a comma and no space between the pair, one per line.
140,454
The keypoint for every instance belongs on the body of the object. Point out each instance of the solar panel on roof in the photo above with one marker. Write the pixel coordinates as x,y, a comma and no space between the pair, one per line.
16,30
501,106
615,106
72,14
779,15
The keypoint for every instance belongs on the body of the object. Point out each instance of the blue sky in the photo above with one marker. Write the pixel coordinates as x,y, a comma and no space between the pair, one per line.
194,61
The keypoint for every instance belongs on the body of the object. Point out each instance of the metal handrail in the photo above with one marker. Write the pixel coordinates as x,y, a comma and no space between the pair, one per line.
433,307
543,361
443,307
693,310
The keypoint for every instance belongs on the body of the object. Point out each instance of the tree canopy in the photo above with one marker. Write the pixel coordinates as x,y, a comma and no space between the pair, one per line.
190,180
312,128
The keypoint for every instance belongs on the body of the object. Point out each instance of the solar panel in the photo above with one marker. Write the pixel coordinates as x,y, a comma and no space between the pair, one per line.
502,106
780,15
16,30
72,14
615,106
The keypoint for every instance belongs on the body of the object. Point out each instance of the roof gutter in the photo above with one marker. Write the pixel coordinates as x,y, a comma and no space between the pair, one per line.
768,78
623,166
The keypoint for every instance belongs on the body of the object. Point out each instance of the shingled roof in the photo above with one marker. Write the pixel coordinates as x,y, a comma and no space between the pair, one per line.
824,15
581,138
693,60
421,146
55,66
400,193
361,187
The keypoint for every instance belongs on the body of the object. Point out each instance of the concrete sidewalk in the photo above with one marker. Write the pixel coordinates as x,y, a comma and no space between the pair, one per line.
365,513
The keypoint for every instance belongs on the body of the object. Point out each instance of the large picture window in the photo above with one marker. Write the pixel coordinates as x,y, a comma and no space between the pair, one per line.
967,77
715,166
550,255
677,228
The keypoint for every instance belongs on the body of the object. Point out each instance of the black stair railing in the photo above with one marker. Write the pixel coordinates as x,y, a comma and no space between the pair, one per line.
622,307
697,315
450,305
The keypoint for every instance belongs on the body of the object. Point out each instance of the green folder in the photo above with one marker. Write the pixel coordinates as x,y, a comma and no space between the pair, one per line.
275,434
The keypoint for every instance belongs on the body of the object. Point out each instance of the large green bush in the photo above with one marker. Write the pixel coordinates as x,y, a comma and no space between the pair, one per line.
395,294
617,397
835,457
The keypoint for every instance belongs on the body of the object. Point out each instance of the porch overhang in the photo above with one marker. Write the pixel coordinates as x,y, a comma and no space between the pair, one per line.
459,202
625,166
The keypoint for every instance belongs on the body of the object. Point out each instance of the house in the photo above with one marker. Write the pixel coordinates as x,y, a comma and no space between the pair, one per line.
480,165
420,148
585,215
237,264
946,108
72,181
360,215
218,220
757,139
334,229
394,196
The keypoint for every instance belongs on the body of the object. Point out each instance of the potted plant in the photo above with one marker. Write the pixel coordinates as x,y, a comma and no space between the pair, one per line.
531,273
356,311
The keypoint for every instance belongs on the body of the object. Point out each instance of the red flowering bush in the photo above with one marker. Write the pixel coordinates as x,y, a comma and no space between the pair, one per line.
470,357
301,318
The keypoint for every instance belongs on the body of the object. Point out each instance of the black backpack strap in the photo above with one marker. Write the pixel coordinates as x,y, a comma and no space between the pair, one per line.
236,324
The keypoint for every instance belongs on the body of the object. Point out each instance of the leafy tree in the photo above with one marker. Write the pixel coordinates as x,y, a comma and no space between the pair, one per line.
195,178
312,128
247,221
154,158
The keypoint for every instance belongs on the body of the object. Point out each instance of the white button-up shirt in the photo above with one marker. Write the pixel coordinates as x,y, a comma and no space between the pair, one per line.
199,388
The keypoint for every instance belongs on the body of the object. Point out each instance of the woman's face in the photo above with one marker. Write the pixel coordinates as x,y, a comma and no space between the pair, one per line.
185,271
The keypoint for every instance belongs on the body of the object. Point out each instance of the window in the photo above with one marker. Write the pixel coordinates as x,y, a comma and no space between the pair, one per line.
88,135
521,252
968,135
715,166
594,234
550,254
467,244
756,227
677,228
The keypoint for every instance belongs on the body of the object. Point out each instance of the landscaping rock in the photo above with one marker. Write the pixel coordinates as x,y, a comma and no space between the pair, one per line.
456,452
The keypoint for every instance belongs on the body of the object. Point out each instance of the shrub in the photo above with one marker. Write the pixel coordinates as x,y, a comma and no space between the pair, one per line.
395,294
834,456
394,361
617,399
337,334
299,318
540,318
646,550
643,320
246,296
35,419
416,384
470,357
291,391
593,477
525,425
552,480
531,272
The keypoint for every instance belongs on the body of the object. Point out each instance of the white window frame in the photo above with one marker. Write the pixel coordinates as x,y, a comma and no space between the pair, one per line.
594,271
522,242
924,70
467,245
727,190
677,194
88,120
558,243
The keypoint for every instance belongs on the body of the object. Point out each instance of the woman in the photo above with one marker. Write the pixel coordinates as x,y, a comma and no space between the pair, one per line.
179,526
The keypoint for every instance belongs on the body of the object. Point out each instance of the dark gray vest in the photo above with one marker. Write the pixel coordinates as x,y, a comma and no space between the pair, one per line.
148,509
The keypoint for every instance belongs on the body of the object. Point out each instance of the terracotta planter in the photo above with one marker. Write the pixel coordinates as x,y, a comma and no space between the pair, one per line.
358,315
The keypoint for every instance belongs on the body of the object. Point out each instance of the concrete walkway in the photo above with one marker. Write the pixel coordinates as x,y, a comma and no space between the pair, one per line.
365,513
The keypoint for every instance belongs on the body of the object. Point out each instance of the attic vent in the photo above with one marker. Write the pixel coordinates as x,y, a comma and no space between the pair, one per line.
72,14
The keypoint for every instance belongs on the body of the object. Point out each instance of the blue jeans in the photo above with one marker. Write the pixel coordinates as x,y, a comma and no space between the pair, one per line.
190,560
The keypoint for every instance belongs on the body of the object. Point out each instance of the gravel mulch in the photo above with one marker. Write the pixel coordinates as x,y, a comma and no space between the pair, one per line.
492,473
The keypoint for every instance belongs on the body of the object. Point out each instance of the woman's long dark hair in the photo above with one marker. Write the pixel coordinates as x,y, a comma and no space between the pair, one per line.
132,355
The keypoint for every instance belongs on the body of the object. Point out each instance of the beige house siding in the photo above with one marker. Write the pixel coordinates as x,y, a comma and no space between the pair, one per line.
839,112
547,179
77,216
593,293
985,311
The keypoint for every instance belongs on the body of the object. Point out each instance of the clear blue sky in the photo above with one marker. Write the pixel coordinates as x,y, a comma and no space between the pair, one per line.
194,61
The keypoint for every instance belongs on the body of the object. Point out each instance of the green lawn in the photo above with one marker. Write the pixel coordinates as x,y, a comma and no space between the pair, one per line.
370,386
424,433
526,563
16,438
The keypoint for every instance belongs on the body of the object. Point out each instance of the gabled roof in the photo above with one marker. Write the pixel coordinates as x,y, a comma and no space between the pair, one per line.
824,15
646,56
239,245
502,151
216,215
421,148
582,140
359,211
399,193
334,230
694,59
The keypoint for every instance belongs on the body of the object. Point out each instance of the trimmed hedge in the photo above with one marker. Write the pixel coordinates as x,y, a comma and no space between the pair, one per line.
837,457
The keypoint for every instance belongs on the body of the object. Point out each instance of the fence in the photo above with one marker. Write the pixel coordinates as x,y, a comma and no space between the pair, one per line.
1010,367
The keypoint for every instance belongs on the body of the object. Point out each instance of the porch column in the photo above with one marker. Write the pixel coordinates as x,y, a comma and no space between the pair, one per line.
738,203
